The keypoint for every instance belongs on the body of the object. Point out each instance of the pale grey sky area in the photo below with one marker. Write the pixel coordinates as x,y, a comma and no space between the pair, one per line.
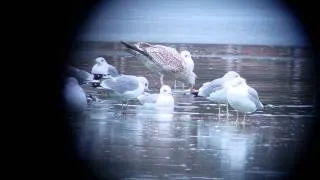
254,22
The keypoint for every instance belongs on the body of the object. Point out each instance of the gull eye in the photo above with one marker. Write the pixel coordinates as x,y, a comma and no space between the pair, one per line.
145,84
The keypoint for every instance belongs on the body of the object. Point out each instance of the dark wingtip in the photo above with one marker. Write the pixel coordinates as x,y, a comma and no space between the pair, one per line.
132,47
126,44
129,46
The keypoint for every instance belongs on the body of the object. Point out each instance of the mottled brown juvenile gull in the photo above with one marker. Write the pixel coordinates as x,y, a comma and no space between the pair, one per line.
163,60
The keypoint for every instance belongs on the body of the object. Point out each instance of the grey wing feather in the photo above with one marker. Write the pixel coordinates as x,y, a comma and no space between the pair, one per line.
254,97
112,71
209,87
79,74
121,84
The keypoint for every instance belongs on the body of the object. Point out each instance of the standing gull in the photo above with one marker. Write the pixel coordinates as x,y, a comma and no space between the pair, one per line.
163,60
74,96
163,100
216,91
242,97
125,87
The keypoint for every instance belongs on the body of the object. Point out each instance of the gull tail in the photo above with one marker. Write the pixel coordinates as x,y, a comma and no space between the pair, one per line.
127,45
195,93
201,92
132,47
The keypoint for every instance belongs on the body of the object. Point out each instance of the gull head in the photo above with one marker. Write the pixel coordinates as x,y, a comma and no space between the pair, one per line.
187,57
231,75
235,82
165,89
144,82
100,60
185,54
242,81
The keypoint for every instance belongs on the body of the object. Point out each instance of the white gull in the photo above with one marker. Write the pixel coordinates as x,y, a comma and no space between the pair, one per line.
242,97
101,69
163,100
215,90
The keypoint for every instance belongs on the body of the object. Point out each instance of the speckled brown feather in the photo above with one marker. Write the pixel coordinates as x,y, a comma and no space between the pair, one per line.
169,59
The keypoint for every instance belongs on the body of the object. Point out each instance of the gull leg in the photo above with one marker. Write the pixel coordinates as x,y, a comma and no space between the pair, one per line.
182,86
121,105
227,111
244,119
175,84
161,79
126,106
237,116
218,112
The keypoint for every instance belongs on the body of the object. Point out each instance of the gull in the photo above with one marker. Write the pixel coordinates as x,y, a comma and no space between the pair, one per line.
216,91
163,60
74,96
81,75
162,100
242,97
125,87
102,69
